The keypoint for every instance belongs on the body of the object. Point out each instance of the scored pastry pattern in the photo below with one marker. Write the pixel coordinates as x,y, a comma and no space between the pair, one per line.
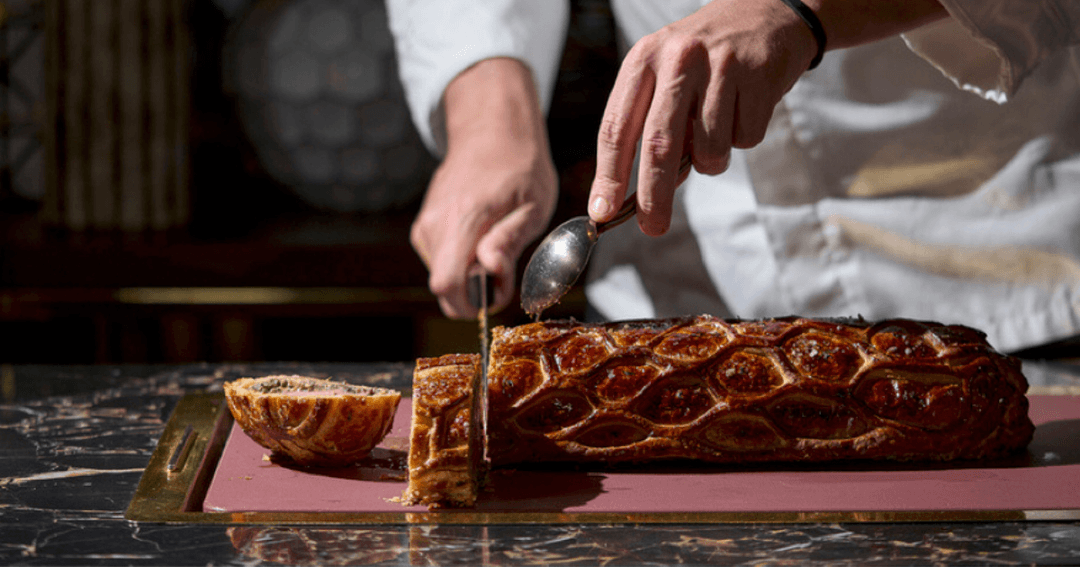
789,389
443,453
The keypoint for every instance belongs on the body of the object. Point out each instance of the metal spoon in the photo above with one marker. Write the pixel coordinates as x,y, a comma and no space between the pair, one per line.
563,254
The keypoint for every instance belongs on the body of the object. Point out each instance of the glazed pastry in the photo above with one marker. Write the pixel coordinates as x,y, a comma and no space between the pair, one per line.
312,421
706,389
789,389
444,447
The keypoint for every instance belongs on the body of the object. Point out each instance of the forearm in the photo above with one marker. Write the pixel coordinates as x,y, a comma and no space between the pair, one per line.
438,40
493,102
849,23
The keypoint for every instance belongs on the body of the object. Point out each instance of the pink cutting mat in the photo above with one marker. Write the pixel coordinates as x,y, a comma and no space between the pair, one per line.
1043,479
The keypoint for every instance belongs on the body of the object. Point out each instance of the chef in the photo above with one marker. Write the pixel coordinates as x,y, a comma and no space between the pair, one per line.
850,157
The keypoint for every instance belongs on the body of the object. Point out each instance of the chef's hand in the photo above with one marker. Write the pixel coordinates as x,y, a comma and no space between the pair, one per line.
495,190
709,82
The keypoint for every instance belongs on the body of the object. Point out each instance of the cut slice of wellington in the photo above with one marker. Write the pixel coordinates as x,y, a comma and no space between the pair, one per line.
701,388
445,449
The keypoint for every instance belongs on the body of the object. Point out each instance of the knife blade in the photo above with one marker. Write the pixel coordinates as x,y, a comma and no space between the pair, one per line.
481,287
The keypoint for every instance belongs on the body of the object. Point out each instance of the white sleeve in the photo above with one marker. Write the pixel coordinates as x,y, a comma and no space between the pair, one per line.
438,39
990,46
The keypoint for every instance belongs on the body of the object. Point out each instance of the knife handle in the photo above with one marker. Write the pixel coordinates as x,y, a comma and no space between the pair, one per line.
481,284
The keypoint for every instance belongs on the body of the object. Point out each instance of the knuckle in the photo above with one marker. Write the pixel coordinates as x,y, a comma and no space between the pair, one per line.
612,134
725,62
647,206
660,146
669,48
416,238
688,52
438,285
646,46
652,209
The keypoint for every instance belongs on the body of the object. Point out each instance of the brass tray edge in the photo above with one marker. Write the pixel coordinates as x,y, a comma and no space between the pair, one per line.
175,497
163,494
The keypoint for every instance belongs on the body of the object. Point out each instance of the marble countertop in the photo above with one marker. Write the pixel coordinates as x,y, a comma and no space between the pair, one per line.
74,442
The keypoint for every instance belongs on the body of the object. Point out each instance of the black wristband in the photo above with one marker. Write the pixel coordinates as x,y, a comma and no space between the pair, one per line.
816,28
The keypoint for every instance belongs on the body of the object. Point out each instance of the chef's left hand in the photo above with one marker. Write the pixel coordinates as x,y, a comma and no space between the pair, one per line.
495,190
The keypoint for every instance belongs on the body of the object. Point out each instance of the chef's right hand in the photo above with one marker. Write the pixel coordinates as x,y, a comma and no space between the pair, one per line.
495,190
709,82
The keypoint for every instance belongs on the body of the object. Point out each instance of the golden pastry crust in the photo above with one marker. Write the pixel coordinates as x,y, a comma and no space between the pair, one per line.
444,456
706,389
790,389
312,421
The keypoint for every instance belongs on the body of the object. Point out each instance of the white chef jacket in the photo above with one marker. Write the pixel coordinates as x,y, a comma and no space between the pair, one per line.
931,176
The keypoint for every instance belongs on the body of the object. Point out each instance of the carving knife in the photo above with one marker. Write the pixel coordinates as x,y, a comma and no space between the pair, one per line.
481,290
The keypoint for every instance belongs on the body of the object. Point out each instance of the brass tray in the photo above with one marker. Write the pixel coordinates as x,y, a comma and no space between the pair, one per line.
178,475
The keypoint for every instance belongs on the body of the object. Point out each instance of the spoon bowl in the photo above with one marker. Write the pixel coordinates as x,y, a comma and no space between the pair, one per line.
562,256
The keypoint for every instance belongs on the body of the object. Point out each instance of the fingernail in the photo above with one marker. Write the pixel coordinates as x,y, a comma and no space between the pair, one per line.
600,207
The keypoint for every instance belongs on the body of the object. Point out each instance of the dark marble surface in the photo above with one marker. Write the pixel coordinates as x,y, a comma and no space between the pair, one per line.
74,442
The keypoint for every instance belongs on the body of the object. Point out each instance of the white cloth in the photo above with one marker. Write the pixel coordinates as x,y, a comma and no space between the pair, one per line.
884,186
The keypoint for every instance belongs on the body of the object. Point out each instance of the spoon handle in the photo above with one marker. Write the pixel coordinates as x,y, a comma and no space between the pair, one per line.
627,210
629,206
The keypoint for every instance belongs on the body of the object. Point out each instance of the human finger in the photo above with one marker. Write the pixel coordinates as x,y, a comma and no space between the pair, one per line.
499,250
712,129
620,128
451,253
751,120
664,135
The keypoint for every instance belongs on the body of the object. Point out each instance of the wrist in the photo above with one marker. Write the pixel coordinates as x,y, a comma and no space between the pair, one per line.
814,25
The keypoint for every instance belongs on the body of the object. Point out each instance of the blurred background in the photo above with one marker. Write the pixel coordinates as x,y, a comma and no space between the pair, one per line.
232,180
